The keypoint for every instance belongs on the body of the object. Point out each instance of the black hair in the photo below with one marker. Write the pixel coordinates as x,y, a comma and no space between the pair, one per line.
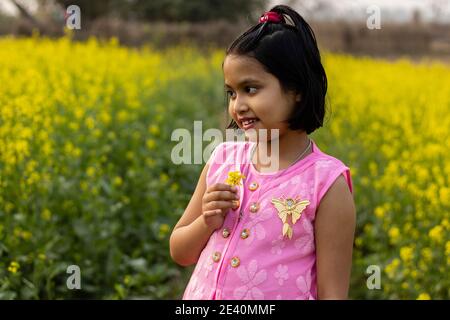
289,51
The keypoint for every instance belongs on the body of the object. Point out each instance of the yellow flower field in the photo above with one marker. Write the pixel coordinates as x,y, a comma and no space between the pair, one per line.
391,124
86,176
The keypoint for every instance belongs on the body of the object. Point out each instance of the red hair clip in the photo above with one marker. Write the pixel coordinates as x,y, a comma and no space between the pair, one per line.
271,17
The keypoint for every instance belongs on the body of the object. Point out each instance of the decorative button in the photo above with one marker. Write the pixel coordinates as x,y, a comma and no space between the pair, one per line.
290,202
253,186
245,233
236,204
254,207
225,233
216,256
235,262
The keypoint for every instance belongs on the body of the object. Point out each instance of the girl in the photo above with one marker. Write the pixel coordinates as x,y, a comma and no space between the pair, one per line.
264,234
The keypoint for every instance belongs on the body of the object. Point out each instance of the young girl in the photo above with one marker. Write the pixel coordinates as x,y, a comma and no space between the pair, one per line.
264,234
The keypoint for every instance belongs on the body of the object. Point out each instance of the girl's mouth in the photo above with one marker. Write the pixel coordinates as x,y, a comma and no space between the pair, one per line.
250,123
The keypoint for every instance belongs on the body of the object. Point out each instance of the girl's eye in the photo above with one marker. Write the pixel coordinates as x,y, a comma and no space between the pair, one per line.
229,93
252,88
247,89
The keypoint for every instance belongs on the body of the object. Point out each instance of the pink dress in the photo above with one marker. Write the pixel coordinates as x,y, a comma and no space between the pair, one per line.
249,257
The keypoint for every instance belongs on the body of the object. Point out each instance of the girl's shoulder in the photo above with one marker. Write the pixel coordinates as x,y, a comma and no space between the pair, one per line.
327,169
228,152
324,160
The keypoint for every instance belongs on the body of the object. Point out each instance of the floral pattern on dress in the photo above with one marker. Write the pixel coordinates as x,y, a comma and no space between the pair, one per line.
284,184
208,264
194,291
305,189
324,164
295,180
305,242
257,231
303,284
197,291
278,245
281,274
251,278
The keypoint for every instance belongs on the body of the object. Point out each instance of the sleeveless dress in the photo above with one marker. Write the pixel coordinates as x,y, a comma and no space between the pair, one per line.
252,257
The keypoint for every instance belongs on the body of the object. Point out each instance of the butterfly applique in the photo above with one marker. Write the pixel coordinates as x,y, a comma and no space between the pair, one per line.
289,207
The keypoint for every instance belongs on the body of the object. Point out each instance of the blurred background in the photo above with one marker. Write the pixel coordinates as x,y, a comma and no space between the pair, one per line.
413,27
87,113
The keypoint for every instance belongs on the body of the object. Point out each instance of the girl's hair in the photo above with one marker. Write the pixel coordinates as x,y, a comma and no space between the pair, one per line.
289,51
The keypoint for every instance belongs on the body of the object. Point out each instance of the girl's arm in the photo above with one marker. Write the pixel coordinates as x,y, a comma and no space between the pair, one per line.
334,233
191,233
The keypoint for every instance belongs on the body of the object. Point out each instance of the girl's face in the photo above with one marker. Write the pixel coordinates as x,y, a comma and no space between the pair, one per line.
255,94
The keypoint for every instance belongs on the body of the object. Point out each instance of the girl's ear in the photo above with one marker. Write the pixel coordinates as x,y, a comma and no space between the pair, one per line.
298,97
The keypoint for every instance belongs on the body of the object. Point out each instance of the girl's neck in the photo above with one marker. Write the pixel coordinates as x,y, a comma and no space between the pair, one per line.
291,146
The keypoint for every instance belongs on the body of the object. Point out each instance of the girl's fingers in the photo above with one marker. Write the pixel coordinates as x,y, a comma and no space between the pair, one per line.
222,187
221,195
219,205
211,213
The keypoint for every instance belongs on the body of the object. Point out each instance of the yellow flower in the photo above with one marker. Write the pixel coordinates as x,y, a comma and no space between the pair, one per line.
379,212
117,181
163,229
97,133
174,187
368,228
18,232
84,185
13,267
445,223
406,272
153,129
447,248
74,126
436,234
394,234
406,253
391,268
123,116
444,196
46,214
427,254
90,123
163,178
151,144
26,235
90,172
234,178
424,296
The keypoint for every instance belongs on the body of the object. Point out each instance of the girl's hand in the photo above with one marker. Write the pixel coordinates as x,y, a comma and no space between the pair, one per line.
216,202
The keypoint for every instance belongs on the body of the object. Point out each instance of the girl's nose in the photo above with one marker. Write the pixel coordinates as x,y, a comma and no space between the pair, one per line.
240,106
